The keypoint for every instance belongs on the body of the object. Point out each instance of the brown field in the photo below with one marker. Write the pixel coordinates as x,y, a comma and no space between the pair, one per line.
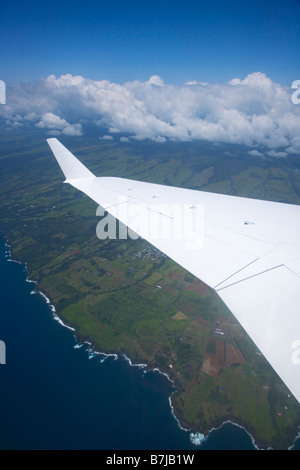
198,287
233,356
220,355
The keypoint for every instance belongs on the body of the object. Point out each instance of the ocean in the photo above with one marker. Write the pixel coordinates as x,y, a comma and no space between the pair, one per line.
58,394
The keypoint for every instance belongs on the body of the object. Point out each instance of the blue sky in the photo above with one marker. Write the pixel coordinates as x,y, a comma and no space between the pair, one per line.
219,71
121,41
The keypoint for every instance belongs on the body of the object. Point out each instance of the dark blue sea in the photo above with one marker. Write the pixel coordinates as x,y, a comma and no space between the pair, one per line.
54,395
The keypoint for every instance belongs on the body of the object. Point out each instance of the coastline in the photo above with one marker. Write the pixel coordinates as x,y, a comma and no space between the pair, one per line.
197,438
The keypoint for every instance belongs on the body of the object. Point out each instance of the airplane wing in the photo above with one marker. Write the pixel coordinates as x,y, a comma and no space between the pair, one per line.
247,250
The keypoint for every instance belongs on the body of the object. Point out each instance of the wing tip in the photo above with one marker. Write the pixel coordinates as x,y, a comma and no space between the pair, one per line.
69,164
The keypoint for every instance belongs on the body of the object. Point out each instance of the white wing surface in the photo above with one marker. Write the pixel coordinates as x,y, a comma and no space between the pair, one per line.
248,250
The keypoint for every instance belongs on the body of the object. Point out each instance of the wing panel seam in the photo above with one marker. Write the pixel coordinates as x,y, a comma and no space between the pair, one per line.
249,277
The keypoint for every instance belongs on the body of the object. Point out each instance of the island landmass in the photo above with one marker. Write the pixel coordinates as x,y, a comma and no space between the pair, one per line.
127,297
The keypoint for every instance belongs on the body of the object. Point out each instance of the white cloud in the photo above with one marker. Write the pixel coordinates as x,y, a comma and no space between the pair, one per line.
73,129
55,132
295,145
273,153
159,139
155,80
253,111
255,153
106,137
51,121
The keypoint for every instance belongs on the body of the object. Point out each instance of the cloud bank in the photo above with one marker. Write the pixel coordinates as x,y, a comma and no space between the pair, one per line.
253,111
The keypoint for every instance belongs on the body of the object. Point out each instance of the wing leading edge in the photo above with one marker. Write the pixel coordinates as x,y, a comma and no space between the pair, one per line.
247,250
